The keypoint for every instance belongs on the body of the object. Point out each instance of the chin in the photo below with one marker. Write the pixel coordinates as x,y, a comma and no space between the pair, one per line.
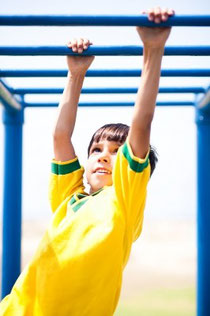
98,186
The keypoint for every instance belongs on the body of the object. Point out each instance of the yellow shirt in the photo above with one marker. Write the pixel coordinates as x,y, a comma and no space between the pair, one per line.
77,269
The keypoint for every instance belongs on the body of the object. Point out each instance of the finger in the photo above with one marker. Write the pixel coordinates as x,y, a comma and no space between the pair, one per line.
157,11
69,44
74,45
157,15
171,12
151,14
164,14
86,43
80,45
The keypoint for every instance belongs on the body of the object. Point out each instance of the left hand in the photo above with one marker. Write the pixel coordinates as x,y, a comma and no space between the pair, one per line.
155,37
79,64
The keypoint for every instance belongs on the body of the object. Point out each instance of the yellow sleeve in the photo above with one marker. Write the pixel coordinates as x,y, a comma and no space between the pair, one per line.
66,178
130,178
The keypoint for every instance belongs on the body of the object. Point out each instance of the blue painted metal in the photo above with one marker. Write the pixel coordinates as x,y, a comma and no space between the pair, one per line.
101,20
101,51
8,100
13,122
203,207
23,91
5,84
108,104
7,106
105,73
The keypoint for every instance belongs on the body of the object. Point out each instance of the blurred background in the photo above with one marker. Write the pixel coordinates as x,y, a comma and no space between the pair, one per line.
160,278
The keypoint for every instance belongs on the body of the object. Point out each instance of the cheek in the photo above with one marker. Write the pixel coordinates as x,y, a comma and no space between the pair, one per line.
87,175
88,169
113,160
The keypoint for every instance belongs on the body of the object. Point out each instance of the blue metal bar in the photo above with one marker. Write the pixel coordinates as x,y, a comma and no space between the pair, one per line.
105,73
108,104
101,51
182,90
8,100
5,84
11,249
203,207
101,20
23,91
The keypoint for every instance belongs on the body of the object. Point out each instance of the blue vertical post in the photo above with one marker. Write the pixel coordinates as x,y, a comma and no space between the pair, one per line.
11,259
203,207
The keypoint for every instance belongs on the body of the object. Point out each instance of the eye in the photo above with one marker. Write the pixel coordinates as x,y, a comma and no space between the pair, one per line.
115,150
96,150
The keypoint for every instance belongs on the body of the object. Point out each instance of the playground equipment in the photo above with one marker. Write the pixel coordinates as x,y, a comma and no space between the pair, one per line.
13,114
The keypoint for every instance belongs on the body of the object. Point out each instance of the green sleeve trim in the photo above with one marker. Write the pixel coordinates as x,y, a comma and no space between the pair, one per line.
76,197
73,200
80,199
65,169
95,193
79,204
81,195
135,165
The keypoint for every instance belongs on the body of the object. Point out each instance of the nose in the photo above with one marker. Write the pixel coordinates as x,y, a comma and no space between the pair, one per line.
104,157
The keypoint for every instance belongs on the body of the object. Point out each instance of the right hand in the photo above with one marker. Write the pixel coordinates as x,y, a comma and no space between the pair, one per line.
76,64
156,37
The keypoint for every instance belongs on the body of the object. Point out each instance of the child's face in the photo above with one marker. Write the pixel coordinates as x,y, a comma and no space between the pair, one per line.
100,164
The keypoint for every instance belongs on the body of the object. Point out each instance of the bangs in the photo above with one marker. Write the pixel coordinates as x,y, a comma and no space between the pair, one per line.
111,132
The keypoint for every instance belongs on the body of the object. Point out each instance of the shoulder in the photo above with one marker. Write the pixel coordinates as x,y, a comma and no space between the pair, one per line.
65,167
127,159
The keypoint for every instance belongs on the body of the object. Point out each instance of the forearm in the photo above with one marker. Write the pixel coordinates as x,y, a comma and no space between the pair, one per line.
67,109
148,89
66,117
139,135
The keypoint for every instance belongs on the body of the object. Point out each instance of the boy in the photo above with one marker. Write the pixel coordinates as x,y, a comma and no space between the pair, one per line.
77,269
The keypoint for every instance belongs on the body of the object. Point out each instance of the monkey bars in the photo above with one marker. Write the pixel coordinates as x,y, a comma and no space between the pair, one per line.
118,104
100,20
105,73
13,103
23,91
101,51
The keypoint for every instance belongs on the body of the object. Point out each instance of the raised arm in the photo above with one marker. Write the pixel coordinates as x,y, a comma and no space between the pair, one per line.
154,40
67,110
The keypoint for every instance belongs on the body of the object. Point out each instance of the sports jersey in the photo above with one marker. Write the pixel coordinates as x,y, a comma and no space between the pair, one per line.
77,269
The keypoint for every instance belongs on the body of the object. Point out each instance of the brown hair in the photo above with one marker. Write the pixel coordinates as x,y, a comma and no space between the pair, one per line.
118,132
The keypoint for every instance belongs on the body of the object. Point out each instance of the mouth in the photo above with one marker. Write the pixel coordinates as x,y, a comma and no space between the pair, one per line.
103,171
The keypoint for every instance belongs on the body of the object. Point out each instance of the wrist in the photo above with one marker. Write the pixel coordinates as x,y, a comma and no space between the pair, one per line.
76,75
152,59
153,55
151,50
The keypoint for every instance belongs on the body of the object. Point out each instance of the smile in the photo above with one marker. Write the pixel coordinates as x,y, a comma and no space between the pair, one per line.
102,171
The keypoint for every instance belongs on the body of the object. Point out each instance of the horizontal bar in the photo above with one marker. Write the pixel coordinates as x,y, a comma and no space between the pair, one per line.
23,91
101,20
105,73
101,51
108,104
